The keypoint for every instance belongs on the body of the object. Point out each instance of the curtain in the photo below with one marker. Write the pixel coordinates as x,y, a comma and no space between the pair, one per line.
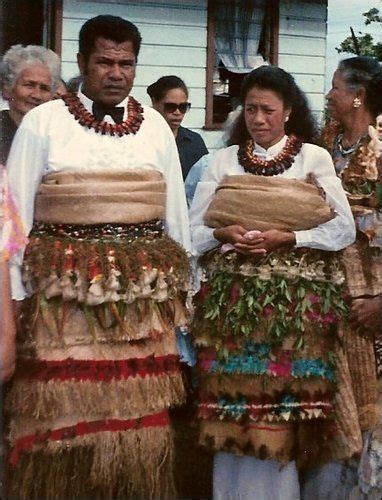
238,28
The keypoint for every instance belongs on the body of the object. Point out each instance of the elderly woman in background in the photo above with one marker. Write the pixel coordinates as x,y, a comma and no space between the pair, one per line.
271,294
354,103
29,77
169,96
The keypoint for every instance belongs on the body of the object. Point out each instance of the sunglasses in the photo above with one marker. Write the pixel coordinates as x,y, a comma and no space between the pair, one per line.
171,107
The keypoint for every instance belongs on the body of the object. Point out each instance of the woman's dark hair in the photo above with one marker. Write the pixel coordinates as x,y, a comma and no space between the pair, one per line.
364,72
111,28
159,89
301,122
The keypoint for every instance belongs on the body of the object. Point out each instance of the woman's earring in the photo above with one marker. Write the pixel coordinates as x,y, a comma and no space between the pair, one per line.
356,102
286,118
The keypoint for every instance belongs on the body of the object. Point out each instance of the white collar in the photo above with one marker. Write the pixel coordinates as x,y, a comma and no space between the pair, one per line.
273,150
88,103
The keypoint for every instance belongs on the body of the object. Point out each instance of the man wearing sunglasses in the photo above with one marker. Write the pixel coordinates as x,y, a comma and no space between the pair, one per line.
169,96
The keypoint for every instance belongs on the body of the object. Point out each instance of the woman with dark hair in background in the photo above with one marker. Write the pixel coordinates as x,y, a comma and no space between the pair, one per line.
354,102
29,76
271,294
169,96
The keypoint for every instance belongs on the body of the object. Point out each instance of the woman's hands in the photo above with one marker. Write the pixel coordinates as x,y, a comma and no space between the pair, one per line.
253,242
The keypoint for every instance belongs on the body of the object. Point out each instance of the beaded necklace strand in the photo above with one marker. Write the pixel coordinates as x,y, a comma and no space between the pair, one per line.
253,164
130,126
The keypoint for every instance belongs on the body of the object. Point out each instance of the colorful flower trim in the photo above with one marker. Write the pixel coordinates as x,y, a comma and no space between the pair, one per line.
100,272
25,444
261,359
272,409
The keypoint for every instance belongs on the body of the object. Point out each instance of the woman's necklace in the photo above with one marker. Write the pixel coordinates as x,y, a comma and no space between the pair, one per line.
347,151
130,126
253,164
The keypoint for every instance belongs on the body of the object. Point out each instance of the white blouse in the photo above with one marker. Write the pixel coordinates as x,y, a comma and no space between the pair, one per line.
332,235
49,139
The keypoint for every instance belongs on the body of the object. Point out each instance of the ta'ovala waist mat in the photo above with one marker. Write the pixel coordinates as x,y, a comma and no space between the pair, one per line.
262,203
101,197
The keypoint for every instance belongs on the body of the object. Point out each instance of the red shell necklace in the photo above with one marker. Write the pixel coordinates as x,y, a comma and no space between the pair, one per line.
130,126
253,164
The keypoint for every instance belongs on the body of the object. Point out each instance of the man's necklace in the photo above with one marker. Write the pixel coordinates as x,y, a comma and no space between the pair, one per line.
130,126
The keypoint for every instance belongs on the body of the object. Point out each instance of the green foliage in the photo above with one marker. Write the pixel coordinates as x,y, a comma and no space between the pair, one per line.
364,41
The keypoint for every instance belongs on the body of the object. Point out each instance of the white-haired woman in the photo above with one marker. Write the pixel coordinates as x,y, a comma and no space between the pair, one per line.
29,77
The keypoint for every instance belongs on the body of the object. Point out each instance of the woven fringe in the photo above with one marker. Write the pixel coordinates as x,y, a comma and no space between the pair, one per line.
57,324
348,440
306,442
135,464
363,372
97,400
248,386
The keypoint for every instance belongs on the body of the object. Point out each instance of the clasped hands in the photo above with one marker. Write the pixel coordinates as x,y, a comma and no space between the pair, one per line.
258,243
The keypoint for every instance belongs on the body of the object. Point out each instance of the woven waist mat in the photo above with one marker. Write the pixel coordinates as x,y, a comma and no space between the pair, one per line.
101,197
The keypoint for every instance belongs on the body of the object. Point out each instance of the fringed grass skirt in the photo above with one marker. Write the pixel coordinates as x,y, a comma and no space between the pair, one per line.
267,336
97,368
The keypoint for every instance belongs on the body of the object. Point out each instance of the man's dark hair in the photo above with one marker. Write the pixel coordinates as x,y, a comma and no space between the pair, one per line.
111,28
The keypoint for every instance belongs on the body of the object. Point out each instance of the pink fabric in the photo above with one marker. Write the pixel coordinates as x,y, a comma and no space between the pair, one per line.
13,236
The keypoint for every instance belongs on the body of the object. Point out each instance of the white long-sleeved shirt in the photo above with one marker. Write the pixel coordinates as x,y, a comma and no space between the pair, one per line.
49,139
333,235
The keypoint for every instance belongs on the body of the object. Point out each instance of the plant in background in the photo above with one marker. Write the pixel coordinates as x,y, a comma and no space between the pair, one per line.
363,43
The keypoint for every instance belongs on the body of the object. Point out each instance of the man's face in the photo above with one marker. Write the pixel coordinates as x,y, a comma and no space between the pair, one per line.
108,75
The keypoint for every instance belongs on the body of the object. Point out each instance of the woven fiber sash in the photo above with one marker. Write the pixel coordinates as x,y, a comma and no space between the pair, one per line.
101,198
263,203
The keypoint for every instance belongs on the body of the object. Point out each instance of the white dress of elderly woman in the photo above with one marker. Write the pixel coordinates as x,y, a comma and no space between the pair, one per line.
268,219
29,77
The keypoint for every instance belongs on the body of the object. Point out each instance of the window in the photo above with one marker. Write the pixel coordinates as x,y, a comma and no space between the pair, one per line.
242,35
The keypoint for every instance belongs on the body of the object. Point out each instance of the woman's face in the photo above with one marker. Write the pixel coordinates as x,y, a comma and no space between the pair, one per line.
340,98
33,87
168,107
265,116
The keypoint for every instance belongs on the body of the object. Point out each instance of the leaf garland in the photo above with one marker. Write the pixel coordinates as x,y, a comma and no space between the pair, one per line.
233,305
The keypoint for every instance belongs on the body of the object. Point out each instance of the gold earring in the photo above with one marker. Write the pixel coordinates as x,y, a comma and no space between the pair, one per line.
356,102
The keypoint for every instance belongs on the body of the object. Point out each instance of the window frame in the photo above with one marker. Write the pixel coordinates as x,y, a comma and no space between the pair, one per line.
53,25
272,13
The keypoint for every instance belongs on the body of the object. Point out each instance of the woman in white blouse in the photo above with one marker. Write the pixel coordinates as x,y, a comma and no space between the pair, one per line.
266,382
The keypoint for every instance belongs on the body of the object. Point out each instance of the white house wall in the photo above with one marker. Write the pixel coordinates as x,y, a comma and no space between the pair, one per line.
174,36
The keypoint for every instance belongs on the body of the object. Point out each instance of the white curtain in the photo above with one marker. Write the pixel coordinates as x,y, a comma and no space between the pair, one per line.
238,28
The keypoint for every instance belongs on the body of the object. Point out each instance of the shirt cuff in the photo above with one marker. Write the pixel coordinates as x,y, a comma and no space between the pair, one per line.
17,287
212,241
303,238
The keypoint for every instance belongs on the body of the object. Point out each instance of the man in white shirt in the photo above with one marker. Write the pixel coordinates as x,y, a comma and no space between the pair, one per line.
98,183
